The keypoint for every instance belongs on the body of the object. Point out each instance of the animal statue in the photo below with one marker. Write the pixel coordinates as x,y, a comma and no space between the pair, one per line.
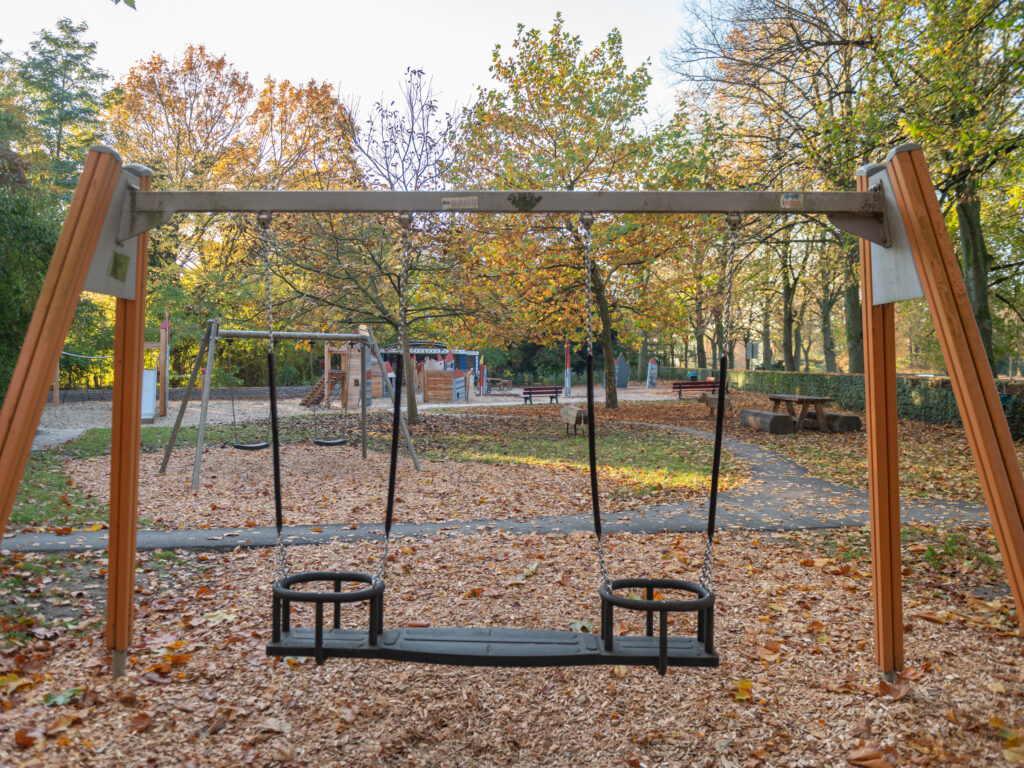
574,416
710,399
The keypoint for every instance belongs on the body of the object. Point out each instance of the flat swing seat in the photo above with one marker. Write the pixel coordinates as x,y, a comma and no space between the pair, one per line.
328,442
251,446
491,647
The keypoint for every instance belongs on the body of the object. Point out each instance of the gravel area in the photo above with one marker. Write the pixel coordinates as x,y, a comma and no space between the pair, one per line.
85,415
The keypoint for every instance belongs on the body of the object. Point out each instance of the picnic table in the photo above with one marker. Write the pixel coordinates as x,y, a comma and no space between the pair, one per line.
806,402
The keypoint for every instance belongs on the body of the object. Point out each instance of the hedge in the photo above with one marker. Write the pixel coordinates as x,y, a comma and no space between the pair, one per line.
921,398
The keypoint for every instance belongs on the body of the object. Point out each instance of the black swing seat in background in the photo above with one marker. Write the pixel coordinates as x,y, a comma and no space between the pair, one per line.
328,443
251,446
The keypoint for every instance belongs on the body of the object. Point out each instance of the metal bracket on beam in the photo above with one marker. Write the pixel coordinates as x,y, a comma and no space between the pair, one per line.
873,228
135,222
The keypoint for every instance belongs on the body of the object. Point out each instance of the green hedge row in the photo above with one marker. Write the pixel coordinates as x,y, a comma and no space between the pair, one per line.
920,398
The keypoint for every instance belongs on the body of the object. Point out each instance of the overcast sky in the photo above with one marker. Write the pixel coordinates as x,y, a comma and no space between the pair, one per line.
361,47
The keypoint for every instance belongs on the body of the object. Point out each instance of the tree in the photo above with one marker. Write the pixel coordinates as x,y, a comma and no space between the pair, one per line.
199,123
795,76
560,118
65,92
956,70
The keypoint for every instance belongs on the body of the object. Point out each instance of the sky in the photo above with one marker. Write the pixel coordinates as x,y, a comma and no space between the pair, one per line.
361,48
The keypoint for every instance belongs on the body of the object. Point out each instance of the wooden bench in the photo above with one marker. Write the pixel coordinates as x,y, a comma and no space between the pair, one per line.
541,391
695,386
767,421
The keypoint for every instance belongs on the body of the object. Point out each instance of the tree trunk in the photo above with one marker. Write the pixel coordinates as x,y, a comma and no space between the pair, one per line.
604,311
851,305
798,343
409,378
788,323
412,414
977,262
766,339
828,339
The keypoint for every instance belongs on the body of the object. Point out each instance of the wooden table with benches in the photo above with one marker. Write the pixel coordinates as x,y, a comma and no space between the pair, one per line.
541,391
806,402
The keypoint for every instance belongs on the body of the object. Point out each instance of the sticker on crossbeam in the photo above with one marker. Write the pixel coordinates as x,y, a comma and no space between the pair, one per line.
792,200
466,203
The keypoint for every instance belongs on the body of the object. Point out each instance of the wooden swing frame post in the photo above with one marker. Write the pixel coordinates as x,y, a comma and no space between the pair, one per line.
883,467
861,213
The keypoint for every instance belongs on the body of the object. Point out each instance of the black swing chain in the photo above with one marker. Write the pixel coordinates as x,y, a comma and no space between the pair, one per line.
586,222
405,221
263,218
733,221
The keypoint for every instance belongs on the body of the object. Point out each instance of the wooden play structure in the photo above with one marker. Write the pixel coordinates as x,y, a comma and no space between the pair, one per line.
905,250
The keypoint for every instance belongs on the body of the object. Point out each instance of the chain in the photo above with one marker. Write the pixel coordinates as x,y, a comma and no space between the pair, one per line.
405,221
733,220
705,569
282,560
586,222
379,576
263,218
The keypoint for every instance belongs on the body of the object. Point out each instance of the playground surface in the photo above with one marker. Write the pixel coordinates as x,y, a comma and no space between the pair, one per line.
498,541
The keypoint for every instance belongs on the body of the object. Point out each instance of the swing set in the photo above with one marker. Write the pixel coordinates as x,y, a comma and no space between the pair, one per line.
905,252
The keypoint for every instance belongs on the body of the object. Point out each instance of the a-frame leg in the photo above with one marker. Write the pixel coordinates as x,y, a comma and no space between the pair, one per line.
980,410
125,434
883,467
51,319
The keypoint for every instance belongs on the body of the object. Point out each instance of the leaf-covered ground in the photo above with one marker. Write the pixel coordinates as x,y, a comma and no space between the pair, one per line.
935,460
797,686
489,467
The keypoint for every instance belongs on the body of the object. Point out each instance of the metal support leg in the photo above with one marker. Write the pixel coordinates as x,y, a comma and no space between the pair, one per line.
207,383
184,401
362,395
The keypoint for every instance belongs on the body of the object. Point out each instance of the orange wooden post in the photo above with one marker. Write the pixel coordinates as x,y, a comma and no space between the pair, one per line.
883,466
125,437
51,319
980,410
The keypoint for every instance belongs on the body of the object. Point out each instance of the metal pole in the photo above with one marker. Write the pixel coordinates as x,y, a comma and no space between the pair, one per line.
231,333
184,401
362,394
391,394
207,380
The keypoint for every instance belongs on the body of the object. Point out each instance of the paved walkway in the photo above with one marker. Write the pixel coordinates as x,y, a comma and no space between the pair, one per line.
779,496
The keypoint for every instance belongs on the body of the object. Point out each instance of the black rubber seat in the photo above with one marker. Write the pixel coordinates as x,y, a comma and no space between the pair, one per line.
251,446
703,604
328,443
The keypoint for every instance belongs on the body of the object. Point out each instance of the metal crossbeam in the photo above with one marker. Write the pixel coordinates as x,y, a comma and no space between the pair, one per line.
866,210
227,333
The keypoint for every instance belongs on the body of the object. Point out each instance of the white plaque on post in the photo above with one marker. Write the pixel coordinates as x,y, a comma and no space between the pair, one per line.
112,271
893,271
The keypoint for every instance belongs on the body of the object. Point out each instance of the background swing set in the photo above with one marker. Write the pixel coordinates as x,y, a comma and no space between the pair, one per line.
905,252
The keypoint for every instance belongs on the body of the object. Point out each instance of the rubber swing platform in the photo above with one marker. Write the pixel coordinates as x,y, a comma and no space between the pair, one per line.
491,647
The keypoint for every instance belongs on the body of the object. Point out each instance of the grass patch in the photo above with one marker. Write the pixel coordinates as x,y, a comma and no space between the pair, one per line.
47,497
96,441
636,461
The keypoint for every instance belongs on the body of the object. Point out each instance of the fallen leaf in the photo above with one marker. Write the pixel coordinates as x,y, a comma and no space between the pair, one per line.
141,721
868,757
